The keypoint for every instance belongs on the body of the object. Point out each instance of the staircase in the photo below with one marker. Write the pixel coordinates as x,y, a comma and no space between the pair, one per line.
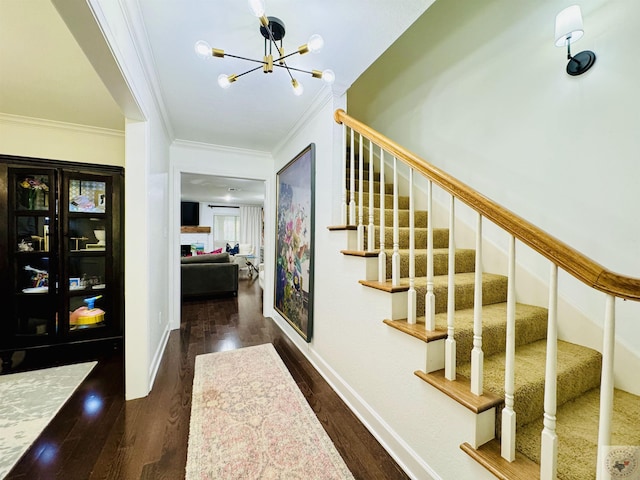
578,372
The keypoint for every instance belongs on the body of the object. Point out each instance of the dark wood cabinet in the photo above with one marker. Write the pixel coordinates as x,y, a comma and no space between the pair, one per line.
61,255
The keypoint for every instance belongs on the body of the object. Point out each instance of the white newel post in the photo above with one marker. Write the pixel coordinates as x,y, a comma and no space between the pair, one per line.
549,441
606,384
508,446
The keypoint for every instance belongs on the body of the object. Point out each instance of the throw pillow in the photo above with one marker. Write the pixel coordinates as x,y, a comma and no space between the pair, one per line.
217,250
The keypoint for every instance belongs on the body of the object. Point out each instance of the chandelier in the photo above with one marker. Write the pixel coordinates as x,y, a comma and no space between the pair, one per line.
273,31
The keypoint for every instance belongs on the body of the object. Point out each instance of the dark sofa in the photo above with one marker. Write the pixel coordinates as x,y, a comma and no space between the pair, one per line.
208,274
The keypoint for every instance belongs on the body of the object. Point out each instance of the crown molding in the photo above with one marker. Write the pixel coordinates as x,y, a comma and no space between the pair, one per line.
219,148
57,125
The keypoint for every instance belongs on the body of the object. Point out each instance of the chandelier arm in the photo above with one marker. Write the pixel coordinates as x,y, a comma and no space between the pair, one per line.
293,68
248,71
286,56
245,58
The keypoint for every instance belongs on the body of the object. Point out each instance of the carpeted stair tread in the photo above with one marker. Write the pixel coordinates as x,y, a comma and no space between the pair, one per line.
465,261
531,326
578,372
494,290
577,429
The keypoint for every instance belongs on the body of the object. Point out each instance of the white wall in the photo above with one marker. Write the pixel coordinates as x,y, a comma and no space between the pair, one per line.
479,89
146,200
60,141
193,157
369,364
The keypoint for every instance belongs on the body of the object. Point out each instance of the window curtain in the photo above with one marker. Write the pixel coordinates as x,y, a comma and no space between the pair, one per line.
251,227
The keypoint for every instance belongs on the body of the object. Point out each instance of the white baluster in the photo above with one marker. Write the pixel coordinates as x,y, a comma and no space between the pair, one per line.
477,355
352,183
549,445
606,383
343,208
508,447
371,229
395,257
450,343
382,256
360,195
430,298
411,310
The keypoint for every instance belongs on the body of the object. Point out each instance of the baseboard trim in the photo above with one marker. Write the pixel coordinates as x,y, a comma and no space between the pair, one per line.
399,450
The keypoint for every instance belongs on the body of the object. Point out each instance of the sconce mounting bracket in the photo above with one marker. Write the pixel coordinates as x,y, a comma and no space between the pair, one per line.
581,62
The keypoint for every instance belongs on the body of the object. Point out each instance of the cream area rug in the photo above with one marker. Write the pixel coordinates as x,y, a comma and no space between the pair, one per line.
28,402
250,421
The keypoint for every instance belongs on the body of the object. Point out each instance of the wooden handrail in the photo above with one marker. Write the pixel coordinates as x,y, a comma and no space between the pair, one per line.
565,257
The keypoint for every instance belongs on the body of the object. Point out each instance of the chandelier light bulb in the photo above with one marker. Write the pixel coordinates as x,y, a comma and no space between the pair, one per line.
298,89
223,81
202,48
328,76
315,43
257,7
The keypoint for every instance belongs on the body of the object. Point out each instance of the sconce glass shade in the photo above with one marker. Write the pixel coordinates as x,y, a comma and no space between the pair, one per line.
569,26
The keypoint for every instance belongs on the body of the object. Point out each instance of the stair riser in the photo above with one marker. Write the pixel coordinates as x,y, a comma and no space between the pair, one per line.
494,291
440,238
365,174
403,202
388,188
465,262
403,217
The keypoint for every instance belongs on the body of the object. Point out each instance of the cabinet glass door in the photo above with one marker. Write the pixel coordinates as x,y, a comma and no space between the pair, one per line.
32,202
88,236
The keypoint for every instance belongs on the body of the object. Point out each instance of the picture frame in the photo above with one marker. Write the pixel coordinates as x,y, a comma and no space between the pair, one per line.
295,233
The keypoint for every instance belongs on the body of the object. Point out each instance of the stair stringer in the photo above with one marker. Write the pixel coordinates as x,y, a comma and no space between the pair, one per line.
369,365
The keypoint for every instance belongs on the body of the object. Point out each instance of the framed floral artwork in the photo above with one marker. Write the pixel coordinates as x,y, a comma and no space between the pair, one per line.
295,206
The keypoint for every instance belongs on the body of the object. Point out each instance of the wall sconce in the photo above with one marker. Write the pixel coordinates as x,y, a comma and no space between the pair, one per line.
569,29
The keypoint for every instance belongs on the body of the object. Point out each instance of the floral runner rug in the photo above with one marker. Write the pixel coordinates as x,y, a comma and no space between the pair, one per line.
250,421
28,402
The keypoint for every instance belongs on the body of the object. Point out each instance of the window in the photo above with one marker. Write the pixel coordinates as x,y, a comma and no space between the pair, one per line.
226,229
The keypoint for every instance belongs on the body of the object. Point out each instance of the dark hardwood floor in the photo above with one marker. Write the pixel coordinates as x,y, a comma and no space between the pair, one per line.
97,435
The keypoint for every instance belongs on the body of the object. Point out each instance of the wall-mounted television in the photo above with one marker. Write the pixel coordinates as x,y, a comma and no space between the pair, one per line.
190,214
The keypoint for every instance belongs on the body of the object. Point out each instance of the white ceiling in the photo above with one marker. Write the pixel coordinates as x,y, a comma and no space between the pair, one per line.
46,75
258,110
221,191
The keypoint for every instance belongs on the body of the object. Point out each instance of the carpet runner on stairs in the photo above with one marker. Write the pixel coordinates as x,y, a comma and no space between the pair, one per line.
578,367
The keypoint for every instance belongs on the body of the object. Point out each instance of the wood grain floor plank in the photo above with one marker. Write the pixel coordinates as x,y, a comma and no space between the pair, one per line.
148,438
